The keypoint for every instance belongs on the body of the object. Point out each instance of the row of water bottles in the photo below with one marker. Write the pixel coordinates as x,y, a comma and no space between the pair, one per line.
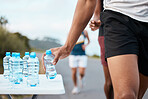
17,69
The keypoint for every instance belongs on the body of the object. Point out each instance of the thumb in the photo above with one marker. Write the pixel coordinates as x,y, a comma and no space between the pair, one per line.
56,59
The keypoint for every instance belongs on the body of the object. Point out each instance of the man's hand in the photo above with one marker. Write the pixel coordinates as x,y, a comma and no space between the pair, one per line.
43,61
94,24
59,53
84,47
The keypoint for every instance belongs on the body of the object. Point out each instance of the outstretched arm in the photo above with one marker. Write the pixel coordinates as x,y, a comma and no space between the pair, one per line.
83,12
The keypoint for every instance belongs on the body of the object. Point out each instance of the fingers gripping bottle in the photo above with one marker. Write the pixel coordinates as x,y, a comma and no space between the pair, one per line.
50,68
6,65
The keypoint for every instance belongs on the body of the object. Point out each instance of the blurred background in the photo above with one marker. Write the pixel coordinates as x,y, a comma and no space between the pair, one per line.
38,25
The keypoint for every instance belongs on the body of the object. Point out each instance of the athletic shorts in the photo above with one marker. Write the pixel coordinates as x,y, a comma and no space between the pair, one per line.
77,61
102,49
124,35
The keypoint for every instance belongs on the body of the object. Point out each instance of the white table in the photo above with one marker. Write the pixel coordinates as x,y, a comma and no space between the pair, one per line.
46,86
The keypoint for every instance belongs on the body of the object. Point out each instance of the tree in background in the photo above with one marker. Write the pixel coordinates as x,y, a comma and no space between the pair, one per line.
3,21
24,39
12,42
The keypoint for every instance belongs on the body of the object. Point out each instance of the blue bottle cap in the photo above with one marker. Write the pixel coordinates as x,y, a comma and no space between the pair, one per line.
26,53
13,54
17,55
7,53
48,52
32,54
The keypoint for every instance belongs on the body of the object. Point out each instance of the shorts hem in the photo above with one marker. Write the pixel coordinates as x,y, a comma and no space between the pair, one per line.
108,56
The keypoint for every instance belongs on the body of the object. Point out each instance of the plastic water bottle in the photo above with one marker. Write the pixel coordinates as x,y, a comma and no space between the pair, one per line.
16,66
33,70
6,65
36,65
50,68
15,69
11,64
25,68
20,67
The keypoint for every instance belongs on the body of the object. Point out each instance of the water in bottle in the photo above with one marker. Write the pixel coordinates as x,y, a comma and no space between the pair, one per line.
20,67
25,68
33,70
6,65
14,69
11,64
16,66
50,68
37,66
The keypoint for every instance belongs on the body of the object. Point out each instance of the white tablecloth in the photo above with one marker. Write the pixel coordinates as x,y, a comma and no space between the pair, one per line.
46,86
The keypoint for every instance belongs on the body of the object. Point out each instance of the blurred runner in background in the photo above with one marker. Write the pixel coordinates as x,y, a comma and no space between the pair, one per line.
78,60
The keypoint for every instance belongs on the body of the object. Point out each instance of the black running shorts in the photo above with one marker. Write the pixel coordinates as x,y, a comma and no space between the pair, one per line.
124,35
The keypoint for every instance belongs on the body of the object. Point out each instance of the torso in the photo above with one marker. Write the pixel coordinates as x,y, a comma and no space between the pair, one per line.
136,9
77,50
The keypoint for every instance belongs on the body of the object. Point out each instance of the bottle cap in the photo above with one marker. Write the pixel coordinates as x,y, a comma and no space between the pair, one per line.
26,53
32,54
17,55
48,52
7,53
13,54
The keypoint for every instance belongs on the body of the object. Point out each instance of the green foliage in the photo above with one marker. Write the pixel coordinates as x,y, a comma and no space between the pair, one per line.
25,41
12,42
1,67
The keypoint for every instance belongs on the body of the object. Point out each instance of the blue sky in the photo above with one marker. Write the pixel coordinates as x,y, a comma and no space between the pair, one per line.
40,18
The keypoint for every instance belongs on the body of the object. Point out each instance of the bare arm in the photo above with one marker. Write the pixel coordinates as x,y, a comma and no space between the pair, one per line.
95,22
86,35
83,12
97,10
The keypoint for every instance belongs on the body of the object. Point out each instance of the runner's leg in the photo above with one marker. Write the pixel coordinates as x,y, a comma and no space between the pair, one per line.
125,76
143,85
108,88
74,76
82,72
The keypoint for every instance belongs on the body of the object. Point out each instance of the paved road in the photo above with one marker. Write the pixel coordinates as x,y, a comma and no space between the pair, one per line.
94,81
